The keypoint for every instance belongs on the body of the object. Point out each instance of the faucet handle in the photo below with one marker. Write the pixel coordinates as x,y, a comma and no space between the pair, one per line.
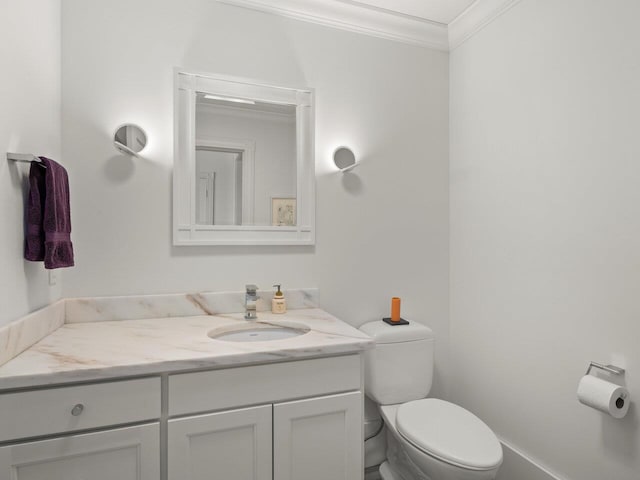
251,289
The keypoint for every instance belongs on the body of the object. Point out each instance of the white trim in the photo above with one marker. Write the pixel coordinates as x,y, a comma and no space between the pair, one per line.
357,18
388,24
238,79
479,14
517,461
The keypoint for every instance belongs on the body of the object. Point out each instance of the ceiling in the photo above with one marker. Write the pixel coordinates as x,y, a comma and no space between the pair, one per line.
441,11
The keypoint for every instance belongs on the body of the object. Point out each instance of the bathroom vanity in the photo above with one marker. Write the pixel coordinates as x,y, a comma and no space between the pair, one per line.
159,398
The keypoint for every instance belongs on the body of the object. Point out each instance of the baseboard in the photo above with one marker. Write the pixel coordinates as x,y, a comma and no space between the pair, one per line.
518,466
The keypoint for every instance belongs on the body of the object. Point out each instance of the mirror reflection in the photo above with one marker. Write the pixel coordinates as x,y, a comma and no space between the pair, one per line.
245,153
130,138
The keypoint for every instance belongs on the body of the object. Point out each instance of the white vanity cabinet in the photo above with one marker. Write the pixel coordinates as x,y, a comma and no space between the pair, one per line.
292,420
53,415
307,426
312,439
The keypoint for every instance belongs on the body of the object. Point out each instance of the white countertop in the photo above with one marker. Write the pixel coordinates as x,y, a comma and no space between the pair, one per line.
89,351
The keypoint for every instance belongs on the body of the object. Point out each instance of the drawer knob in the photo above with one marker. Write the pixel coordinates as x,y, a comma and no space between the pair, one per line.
77,410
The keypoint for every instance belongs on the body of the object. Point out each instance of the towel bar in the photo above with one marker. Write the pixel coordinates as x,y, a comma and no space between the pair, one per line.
24,158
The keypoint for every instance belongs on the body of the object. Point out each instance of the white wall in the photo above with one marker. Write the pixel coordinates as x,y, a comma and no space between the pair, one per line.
381,232
383,228
545,228
29,123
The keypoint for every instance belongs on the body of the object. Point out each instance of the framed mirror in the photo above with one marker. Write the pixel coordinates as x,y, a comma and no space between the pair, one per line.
243,162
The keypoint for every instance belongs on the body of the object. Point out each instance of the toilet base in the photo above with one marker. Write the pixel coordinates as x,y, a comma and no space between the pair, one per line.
387,473
372,473
399,465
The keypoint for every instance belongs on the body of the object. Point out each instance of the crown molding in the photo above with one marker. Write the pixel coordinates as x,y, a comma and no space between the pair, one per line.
479,14
357,17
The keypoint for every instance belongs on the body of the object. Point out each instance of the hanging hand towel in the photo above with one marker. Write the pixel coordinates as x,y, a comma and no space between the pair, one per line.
49,216
34,248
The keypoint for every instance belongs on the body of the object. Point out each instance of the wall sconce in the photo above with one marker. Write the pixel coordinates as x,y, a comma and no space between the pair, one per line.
130,139
344,159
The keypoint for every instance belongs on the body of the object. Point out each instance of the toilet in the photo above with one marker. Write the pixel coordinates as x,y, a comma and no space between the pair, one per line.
427,438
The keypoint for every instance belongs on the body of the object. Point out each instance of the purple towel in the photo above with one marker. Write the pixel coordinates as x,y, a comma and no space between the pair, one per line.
34,249
49,216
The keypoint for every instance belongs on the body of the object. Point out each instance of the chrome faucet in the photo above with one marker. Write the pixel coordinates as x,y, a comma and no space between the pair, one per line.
251,302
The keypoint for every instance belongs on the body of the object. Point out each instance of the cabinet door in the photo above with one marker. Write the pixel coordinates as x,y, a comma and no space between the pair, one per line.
319,439
230,445
125,454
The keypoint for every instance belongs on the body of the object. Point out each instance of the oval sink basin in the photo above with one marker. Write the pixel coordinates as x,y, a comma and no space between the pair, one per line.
259,332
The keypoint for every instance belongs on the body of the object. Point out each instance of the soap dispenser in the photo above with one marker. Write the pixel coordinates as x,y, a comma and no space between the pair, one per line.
278,304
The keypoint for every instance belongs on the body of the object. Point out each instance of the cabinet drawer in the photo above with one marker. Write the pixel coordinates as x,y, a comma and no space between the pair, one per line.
65,409
236,387
130,453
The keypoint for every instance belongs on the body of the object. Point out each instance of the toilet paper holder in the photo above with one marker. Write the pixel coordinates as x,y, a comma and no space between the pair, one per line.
607,368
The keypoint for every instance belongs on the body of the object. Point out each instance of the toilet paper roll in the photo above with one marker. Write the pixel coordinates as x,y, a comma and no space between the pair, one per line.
604,396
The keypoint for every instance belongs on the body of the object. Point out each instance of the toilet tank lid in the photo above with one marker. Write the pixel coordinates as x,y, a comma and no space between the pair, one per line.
382,332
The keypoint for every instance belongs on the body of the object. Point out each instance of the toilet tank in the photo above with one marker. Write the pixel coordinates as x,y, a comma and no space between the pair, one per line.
400,367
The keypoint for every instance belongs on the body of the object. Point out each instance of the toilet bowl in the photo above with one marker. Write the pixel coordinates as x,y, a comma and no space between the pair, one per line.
437,440
427,438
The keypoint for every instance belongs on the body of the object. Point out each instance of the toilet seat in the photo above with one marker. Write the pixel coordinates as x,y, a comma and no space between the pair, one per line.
449,433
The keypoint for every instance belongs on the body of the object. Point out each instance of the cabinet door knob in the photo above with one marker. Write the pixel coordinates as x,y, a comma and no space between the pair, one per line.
77,410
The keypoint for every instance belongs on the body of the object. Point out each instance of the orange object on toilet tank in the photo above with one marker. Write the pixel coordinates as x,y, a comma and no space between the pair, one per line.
395,309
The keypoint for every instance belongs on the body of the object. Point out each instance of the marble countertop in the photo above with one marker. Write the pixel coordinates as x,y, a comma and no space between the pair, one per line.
89,351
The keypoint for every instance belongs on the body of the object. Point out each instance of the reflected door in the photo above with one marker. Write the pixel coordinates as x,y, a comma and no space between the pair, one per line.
205,198
219,199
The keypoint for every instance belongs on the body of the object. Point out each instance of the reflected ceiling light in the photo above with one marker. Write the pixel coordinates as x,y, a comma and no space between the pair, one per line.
229,99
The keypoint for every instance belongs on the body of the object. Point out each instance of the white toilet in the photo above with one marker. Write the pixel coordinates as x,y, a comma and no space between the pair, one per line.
427,439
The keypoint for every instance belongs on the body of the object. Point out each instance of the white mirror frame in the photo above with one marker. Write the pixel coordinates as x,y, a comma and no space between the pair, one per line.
185,229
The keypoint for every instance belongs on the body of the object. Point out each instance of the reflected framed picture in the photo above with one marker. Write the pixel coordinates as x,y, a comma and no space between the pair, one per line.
283,211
